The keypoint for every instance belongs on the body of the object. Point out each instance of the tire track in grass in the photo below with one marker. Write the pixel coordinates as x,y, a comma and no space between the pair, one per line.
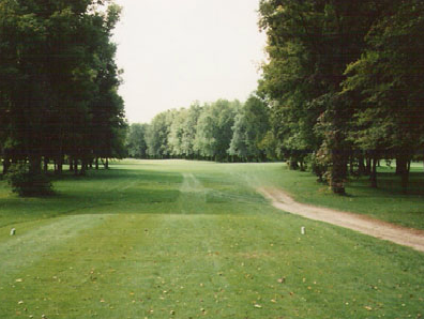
192,194
205,252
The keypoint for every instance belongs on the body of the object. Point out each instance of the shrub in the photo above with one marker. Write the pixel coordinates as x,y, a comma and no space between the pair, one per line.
27,184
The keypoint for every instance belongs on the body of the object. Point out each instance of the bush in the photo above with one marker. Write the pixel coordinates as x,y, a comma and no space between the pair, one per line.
26,184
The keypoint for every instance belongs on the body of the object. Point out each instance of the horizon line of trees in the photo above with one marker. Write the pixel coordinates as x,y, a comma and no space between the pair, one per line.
220,131
58,84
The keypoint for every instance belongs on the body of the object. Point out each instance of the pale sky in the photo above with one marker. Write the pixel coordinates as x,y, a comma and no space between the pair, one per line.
175,52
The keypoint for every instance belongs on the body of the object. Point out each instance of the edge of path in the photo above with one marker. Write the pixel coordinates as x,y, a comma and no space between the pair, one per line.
409,237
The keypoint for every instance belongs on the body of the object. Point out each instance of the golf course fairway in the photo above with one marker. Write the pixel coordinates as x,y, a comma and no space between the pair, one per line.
187,239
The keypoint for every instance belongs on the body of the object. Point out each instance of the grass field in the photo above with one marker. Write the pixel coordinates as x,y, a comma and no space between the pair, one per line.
176,239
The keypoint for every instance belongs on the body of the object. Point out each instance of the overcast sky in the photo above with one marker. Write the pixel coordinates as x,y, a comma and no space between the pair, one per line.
175,52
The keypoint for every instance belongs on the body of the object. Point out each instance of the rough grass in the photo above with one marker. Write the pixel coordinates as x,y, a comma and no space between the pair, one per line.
175,239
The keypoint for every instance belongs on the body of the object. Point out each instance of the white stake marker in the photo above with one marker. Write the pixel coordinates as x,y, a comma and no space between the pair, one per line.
13,232
302,230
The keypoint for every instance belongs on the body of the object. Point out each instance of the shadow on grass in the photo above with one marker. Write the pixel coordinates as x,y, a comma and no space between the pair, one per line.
389,185
118,174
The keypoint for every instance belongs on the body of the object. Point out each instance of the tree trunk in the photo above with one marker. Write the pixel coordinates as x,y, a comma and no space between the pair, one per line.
339,159
34,164
6,164
401,164
59,165
107,163
374,172
361,167
351,164
402,170
71,164
75,167
46,165
302,166
97,163
368,166
83,170
339,172
293,165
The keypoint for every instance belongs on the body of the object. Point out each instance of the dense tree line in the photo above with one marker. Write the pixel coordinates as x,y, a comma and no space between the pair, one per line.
345,82
220,131
58,84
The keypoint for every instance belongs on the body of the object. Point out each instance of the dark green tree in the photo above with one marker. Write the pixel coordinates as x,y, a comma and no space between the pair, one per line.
310,43
388,76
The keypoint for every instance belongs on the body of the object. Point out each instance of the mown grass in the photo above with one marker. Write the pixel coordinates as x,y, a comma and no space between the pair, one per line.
387,202
175,239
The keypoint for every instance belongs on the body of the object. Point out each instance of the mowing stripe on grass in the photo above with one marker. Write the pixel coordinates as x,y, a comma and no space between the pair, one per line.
26,249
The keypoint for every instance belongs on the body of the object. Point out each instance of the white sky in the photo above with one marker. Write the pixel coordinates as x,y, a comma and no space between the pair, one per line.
175,52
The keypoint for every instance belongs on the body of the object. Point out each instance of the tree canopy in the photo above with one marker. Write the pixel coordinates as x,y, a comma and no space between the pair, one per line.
58,89
344,79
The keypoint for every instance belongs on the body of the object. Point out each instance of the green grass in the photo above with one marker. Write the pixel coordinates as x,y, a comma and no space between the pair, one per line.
175,239
387,202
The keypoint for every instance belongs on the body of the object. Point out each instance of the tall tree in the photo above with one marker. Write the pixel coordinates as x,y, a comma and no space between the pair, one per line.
176,132
251,125
214,129
190,129
309,45
157,136
136,140
389,78
59,61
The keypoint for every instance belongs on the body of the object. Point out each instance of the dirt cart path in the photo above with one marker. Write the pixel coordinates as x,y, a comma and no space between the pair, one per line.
400,235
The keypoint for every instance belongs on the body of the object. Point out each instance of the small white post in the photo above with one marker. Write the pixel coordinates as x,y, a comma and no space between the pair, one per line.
302,230
13,232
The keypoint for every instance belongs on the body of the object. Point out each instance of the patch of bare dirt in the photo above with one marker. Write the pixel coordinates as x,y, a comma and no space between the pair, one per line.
400,235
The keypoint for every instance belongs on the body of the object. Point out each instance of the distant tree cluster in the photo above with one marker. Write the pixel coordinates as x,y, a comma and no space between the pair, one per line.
58,84
220,131
345,80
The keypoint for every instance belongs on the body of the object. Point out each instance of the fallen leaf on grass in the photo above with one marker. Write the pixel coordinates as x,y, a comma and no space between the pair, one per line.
257,306
368,308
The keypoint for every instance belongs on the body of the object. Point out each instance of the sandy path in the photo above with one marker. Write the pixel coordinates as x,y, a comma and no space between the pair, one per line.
400,235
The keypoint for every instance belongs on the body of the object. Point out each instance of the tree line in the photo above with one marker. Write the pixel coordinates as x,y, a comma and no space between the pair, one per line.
344,80
58,84
219,131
